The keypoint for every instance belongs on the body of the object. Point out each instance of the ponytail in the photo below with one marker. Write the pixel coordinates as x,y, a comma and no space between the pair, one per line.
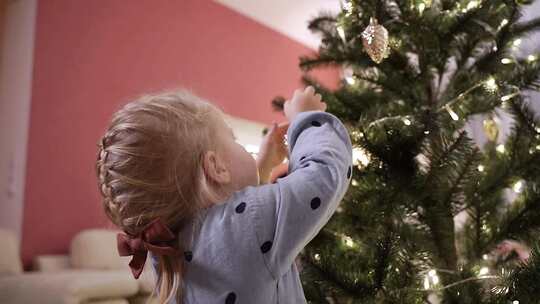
170,273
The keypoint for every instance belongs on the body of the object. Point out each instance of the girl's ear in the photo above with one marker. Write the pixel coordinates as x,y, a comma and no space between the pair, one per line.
215,168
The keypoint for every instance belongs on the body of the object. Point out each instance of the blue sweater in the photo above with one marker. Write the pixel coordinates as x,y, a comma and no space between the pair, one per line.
243,250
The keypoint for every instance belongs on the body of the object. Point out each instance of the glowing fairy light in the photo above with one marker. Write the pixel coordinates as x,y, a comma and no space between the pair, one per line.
485,257
434,277
452,113
421,7
504,22
481,168
348,241
426,283
508,97
473,4
516,42
500,148
348,7
483,271
506,61
518,187
430,279
538,147
515,302
354,182
341,32
407,122
350,80
317,257
531,58
360,157
491,84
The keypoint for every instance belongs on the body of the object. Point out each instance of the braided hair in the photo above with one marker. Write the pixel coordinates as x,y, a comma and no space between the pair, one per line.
149,165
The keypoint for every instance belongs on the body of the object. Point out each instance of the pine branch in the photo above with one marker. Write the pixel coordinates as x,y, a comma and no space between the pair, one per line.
527,27
520,284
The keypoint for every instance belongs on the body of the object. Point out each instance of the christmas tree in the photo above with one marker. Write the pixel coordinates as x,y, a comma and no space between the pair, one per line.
431,216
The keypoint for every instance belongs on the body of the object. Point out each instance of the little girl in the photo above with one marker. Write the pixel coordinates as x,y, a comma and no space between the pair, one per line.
174,179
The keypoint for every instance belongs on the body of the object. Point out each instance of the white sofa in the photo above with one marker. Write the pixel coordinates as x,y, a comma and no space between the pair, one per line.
92,273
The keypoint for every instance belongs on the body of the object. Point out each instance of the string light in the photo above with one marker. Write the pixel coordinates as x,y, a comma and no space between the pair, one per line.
515,302
508,97
354,182
473,4
491,84
500,148
421,7
341,32
518,187
503,23
348,241
360,157
531,58
431,279
434,277
426,283
481,168
470,6
348,75
485,257
517,42
451,112
483,271
407,122
506,61
317,257
348,7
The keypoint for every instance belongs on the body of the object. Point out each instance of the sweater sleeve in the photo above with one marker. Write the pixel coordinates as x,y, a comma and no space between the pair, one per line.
288,214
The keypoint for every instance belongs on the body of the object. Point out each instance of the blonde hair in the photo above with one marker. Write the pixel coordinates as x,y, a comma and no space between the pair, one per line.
149,165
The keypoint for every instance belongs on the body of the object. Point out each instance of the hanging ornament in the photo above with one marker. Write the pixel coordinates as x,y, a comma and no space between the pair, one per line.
491,129
375,41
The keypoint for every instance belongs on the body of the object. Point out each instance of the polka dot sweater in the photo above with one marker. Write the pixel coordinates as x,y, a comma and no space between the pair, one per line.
244,249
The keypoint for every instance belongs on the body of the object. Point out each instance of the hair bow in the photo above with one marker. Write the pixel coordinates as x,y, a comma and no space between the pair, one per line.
155,237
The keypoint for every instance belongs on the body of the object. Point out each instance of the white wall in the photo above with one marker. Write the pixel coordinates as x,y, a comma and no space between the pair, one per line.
16,59
247,132
285,16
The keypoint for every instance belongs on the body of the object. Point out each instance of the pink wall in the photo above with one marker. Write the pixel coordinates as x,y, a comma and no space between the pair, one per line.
92,56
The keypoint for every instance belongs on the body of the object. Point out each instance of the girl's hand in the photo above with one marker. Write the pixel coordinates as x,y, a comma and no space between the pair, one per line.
302,102
507,247
273,151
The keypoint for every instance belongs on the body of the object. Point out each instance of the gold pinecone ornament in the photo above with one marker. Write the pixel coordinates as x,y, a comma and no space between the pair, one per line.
375,41
491,128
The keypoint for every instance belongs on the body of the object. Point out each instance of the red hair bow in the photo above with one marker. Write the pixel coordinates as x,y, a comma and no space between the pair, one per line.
156,237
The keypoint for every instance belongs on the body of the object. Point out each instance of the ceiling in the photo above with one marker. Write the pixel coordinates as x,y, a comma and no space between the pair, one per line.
285,16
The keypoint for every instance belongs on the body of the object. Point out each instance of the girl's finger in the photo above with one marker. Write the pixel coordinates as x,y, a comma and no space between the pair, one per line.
284,125
274,126
310,90
282,128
